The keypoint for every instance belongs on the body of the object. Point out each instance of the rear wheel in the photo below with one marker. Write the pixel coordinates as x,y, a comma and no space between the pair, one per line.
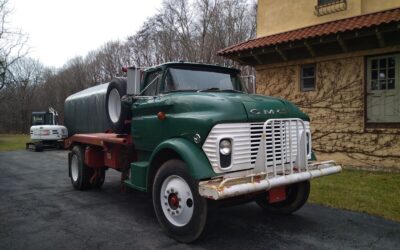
98,181
79,173
296,196
180,210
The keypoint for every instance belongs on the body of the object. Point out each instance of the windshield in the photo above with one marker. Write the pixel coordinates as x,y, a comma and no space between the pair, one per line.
38,119
42,119
195,79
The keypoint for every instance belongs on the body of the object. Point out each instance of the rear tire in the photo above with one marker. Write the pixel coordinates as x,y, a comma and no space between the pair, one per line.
296,196
99,181
180,210
79,173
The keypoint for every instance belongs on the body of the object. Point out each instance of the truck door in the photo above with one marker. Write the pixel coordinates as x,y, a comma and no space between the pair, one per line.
146,130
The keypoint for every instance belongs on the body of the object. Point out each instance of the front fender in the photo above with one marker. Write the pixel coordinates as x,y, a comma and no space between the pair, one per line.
195,159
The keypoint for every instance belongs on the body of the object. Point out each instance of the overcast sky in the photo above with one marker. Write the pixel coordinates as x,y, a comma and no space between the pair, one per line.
62,29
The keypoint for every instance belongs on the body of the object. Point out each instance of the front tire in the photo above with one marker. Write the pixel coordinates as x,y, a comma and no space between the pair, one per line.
179,208
296,196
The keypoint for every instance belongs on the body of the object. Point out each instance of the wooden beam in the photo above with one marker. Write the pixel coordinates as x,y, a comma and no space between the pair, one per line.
237,59
256,57
342,44
281,53
380,38
310,49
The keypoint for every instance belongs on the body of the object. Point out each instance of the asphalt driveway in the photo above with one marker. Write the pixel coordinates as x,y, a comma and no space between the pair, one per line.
39,209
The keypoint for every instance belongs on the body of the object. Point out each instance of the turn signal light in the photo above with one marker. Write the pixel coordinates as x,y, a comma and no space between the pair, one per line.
161,116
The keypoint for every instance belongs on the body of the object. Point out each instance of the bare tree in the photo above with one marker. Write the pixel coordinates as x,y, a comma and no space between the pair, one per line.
12,45
189,30
26,76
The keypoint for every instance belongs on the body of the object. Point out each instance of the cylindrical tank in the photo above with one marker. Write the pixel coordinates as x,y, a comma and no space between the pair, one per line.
96,109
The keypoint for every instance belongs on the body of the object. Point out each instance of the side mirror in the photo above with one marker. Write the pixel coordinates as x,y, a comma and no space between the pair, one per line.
250,82
133,81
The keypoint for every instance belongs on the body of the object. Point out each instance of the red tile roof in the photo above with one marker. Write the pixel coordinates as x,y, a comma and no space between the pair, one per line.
332,27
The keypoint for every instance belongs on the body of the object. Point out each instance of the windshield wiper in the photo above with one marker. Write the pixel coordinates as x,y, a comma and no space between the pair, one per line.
180,90
232,90
221,90
210,89
203,90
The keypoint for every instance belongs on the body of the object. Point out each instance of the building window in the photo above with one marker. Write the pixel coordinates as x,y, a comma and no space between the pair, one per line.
383,91
323,2
325,7
307,77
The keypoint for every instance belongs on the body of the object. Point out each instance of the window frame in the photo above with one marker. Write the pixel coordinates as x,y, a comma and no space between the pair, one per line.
327,2
330,6
158,84
302,88
376,125
239,84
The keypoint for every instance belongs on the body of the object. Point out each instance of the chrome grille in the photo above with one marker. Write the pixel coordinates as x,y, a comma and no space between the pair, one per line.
239,133
281,141
246,138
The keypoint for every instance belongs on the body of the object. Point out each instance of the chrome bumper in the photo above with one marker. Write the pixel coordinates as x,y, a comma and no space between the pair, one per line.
222,188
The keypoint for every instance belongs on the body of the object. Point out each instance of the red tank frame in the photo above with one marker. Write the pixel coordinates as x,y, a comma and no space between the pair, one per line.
105,149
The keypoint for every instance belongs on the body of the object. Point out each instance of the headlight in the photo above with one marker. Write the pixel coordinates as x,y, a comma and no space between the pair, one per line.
225,146
225,153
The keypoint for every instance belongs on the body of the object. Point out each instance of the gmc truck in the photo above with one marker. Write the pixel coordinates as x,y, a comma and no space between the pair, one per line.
190,133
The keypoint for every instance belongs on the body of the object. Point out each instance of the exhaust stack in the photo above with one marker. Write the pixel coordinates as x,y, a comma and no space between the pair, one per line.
133,80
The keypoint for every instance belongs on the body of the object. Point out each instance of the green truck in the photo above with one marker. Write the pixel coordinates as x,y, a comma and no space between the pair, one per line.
190,133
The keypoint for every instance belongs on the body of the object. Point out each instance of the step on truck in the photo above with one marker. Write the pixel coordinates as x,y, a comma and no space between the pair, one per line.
190,134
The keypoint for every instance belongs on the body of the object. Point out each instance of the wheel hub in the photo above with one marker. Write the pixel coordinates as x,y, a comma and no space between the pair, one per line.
173,201
177,200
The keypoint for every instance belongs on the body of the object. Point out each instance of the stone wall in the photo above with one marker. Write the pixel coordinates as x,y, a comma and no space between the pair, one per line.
336,109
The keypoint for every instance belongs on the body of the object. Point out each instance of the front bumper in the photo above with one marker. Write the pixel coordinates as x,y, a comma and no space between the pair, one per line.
221,188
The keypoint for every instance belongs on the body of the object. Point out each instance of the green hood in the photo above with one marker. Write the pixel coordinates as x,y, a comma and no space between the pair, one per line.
261,108
190,113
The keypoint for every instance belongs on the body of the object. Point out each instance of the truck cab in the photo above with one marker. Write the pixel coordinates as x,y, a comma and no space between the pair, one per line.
199,135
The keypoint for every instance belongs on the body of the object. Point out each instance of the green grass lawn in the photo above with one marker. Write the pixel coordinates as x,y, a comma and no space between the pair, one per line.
13,142
376,193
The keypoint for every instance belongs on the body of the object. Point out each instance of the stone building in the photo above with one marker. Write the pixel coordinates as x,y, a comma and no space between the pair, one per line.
339,61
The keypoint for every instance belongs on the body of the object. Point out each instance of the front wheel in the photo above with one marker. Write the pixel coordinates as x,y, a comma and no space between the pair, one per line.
296,197
179,208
